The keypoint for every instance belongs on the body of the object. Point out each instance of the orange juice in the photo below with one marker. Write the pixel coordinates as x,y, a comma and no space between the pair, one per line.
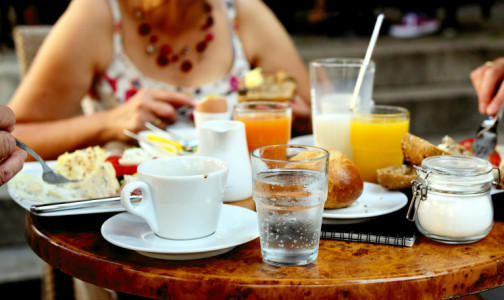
265,129
376,143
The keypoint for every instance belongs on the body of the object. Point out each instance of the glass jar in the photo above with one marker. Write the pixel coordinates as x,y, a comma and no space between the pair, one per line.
452,198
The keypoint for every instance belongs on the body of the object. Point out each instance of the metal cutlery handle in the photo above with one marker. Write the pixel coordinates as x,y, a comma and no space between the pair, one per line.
32,153
59,206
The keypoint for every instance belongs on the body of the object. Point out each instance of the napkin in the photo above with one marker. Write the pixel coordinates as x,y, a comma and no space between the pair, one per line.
393,228
390,229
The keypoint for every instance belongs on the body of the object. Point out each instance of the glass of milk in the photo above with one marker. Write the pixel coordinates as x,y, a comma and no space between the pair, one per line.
332,83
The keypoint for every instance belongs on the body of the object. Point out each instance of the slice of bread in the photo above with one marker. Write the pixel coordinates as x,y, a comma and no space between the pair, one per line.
415,149
396,177
279,86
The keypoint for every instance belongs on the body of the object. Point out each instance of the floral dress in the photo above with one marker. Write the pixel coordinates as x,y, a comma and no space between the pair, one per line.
123,79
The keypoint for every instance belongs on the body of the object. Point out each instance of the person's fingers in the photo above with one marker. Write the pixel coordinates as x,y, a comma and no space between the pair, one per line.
476,77
496,102
7,144
12,165
163,113
7,118
488,88
174,98
299,107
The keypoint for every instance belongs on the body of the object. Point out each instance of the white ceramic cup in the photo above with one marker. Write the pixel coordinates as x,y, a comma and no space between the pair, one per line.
226,140
182,196
200,117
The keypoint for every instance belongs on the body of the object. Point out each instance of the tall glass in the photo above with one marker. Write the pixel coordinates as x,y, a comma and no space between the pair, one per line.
266,122
290,189
376,133
332,83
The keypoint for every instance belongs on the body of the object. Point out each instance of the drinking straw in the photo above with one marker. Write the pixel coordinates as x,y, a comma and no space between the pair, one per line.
367,58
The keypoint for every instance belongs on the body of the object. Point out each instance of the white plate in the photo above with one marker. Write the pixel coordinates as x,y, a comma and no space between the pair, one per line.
187,133
236,226
306,140
374,201
35,169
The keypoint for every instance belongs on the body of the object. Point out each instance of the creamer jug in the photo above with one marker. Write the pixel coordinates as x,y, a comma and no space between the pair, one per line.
226,140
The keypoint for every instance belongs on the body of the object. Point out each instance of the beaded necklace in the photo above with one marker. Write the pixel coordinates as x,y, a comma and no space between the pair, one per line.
164,52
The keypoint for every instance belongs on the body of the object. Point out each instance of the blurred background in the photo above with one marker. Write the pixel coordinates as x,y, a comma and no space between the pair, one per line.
424,67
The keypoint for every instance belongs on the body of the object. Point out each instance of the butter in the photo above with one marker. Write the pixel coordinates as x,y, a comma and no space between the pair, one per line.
254,78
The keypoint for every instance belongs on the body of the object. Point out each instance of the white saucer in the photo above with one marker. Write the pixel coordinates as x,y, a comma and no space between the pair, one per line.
237,226
374,201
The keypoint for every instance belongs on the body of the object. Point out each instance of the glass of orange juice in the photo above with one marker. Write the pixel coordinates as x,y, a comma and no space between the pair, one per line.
375,135
266,122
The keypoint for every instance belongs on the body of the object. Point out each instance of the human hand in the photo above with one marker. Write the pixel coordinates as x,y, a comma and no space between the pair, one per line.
155,106
486,81
299,107
301,116
11,159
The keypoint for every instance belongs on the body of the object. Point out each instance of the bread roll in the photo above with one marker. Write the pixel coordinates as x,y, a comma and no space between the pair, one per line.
345,182
396,177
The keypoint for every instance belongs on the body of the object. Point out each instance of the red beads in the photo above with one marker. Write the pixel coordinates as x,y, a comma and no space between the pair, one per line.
162,60
144,29
165,49
186,66
166,54
201,46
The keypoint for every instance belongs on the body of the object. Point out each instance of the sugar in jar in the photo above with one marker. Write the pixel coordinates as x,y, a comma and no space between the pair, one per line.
452,200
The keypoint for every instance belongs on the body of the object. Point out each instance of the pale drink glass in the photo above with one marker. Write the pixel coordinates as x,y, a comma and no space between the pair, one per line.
289,194
332,82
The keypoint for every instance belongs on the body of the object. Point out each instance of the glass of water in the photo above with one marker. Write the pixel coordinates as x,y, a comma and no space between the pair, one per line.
290,188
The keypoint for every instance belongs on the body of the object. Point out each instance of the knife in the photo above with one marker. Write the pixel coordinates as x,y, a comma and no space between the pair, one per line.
79,204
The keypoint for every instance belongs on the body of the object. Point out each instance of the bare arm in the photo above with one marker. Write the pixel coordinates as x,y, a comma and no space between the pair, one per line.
268,45
59,77
79,49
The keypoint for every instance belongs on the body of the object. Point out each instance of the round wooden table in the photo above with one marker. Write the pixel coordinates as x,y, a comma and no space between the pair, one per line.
427,270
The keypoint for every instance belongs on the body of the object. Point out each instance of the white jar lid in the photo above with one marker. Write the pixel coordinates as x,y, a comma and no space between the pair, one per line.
457,173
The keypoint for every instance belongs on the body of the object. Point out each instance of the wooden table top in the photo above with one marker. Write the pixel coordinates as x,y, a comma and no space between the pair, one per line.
428,270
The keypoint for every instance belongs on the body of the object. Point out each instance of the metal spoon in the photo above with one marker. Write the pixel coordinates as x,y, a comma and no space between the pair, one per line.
48,174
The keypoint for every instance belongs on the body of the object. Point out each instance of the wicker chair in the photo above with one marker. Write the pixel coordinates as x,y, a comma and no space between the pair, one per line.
27,40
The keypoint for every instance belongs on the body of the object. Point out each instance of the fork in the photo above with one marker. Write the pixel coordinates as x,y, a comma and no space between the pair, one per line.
486,136
48,174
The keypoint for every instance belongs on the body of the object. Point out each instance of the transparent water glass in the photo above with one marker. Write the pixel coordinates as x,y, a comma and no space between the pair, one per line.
290,189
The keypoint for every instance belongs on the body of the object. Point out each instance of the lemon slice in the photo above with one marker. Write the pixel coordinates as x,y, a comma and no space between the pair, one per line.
170,145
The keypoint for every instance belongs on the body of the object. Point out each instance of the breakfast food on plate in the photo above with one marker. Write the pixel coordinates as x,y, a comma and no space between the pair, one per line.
415,149
257,86
97,178
212,104
396,177
345,182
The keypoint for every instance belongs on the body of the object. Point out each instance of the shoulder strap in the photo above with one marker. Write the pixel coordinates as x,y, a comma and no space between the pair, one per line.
116,12
116,15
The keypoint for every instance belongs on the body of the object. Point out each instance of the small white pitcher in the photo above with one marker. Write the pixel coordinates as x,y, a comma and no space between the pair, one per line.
226,140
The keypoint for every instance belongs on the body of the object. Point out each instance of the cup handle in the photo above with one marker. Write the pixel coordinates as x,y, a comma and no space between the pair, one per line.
145,209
